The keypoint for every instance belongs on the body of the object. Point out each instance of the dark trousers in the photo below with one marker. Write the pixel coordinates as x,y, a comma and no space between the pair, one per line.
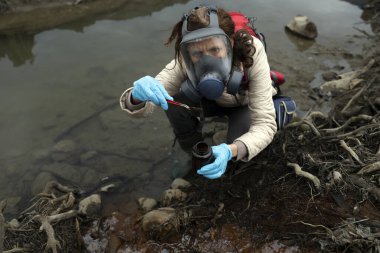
186,125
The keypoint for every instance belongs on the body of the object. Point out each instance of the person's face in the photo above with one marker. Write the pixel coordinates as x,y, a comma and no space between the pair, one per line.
213,46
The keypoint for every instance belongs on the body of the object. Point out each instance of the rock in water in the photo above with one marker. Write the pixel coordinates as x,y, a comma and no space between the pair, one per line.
159,221
301,25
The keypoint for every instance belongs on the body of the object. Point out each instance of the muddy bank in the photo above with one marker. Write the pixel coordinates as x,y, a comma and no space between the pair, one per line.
260,206
314,189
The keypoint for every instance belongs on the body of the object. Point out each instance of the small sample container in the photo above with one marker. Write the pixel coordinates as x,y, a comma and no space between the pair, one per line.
201,155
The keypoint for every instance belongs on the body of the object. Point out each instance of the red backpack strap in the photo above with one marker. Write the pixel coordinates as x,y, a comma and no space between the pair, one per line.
242,22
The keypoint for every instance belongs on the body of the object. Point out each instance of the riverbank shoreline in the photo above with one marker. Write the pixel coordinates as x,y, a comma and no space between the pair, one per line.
259,206
41,15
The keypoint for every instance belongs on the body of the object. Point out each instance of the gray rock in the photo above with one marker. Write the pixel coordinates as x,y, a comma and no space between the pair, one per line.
65,146
147,204
179,183
172,195
328,76
301,25
65,151
91,205
14,224
68,172
41,180
91,177
159,221
93,160
88,156
40,155
377,101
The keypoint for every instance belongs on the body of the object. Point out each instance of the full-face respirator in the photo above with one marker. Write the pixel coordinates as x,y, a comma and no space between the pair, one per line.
207,55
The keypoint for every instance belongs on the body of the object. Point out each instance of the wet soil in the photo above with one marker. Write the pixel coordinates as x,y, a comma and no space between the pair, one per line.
262,206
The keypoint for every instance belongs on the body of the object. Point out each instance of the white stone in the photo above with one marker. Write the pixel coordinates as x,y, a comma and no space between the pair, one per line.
14,224
65,146
301,25
172,195
91,205
158,220
180,183
147,204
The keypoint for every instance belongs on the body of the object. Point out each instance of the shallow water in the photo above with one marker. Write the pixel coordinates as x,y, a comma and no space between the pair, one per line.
56,78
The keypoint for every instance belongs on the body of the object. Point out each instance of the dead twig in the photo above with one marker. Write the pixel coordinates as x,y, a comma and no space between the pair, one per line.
344,145
348,122
369,168
329,231
50,186
354,132
361,182
307,122
15,250
358,94
218,213
46,221
298,170
310,115
249,201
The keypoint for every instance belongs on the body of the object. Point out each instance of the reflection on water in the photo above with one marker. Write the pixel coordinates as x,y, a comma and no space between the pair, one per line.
65,77
302,44
17,48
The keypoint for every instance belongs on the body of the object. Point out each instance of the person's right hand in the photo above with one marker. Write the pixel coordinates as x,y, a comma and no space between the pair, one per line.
149,89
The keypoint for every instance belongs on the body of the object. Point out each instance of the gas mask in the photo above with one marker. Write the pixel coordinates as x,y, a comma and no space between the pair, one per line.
207,55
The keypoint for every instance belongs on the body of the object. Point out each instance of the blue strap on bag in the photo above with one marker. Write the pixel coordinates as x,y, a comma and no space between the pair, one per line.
285,109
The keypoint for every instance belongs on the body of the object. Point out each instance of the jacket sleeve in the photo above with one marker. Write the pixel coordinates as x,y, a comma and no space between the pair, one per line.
171,77
260,103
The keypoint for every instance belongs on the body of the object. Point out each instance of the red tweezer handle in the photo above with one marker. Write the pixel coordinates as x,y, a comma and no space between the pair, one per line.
177,103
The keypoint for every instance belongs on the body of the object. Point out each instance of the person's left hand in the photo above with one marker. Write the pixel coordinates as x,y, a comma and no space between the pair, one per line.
222,154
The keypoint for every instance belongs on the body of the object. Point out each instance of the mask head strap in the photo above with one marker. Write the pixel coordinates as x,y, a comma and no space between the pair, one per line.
212,13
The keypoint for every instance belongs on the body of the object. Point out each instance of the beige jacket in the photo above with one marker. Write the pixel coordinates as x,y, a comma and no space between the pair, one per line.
258,98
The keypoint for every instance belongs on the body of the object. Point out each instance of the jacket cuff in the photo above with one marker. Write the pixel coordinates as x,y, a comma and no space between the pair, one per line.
242,150
126,101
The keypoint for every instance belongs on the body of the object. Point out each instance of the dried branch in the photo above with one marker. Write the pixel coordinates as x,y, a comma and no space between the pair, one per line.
15,250
46,221
344,145
361,182
348,122
354,132
329,231
51,243
298,170
364,88
50,186
369,168
308,122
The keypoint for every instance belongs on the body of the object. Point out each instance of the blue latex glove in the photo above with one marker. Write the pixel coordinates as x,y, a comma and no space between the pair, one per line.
149,89
222,154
